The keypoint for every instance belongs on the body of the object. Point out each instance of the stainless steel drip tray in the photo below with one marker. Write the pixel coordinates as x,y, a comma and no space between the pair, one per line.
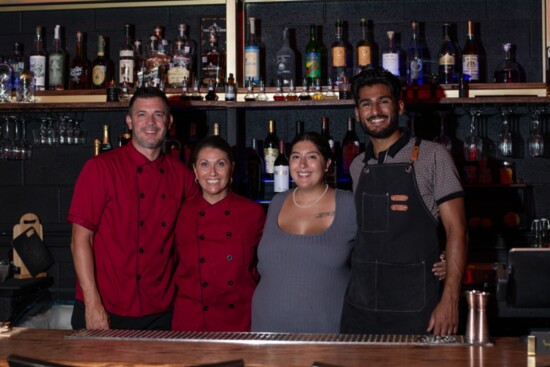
266,338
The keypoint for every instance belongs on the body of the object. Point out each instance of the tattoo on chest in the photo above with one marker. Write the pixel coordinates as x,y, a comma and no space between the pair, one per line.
324,214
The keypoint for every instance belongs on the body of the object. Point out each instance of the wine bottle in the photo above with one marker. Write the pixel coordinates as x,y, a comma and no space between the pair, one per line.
38,61
213,61
80,66
342,56
271,149
390,56
286,61
102,66
313,57
470,56
252,55
127,59
447,57
106,142
350,147
415,71
331,173
281,170
363,49
254,169
17,62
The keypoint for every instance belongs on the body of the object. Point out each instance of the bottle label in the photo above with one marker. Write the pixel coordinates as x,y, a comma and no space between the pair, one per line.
280,178
230,93
98,75
17,67
285,68
390,62
339,56
363,56
56,66
126,71
313,65
270,155
177,74
470,66
38,67
76,74
415,67
252,63
447,60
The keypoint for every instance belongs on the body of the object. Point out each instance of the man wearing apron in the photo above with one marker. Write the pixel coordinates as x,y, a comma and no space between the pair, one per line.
404,187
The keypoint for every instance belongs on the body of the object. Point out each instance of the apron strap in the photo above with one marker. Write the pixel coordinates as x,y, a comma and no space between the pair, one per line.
414,155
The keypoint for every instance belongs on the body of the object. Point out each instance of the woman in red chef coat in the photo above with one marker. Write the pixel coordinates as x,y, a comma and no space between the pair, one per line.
216,238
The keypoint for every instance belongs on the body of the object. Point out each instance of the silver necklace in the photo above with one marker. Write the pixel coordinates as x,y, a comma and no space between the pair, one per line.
309,205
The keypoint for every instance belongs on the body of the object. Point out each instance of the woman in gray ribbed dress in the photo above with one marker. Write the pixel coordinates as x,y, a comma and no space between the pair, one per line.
304,254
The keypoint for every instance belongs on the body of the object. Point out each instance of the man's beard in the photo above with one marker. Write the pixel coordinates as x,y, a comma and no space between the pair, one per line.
385,133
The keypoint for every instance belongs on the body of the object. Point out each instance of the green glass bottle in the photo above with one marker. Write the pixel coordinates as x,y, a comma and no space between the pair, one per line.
313,56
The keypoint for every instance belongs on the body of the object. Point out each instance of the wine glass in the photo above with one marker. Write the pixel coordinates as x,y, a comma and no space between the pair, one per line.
535,142
442,138
504,141
473,144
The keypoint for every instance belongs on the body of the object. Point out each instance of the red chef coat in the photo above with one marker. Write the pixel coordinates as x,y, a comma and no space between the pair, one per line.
216,274
131,205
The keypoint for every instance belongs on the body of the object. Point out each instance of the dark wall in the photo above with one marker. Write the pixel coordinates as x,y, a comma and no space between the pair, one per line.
44,184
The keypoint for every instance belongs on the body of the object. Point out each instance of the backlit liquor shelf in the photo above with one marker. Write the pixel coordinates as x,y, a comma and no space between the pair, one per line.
93,100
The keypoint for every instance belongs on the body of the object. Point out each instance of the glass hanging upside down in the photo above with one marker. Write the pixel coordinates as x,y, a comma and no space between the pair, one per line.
473,144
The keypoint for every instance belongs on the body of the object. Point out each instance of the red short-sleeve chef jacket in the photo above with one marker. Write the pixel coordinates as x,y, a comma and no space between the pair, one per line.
131,204
216,273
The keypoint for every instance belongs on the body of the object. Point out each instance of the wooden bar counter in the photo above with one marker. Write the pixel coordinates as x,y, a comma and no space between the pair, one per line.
51,345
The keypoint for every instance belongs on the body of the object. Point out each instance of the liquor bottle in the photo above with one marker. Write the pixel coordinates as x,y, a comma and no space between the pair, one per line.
6,77
80,66
106,142
350,147
342,57
156,63
331,173
102,66
508,70
470,56
230,89
196,95
262,96
17,62
127,59
163,46
172,145
56,63
415,70
183,51
271,149
139,68
190,143
447,56
211,95
390,56
38,61
213,61
318,94
279,96
286,61
252,59
281,170
254,172
329,94
304,95
364,48
249,96
291,95
313,57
